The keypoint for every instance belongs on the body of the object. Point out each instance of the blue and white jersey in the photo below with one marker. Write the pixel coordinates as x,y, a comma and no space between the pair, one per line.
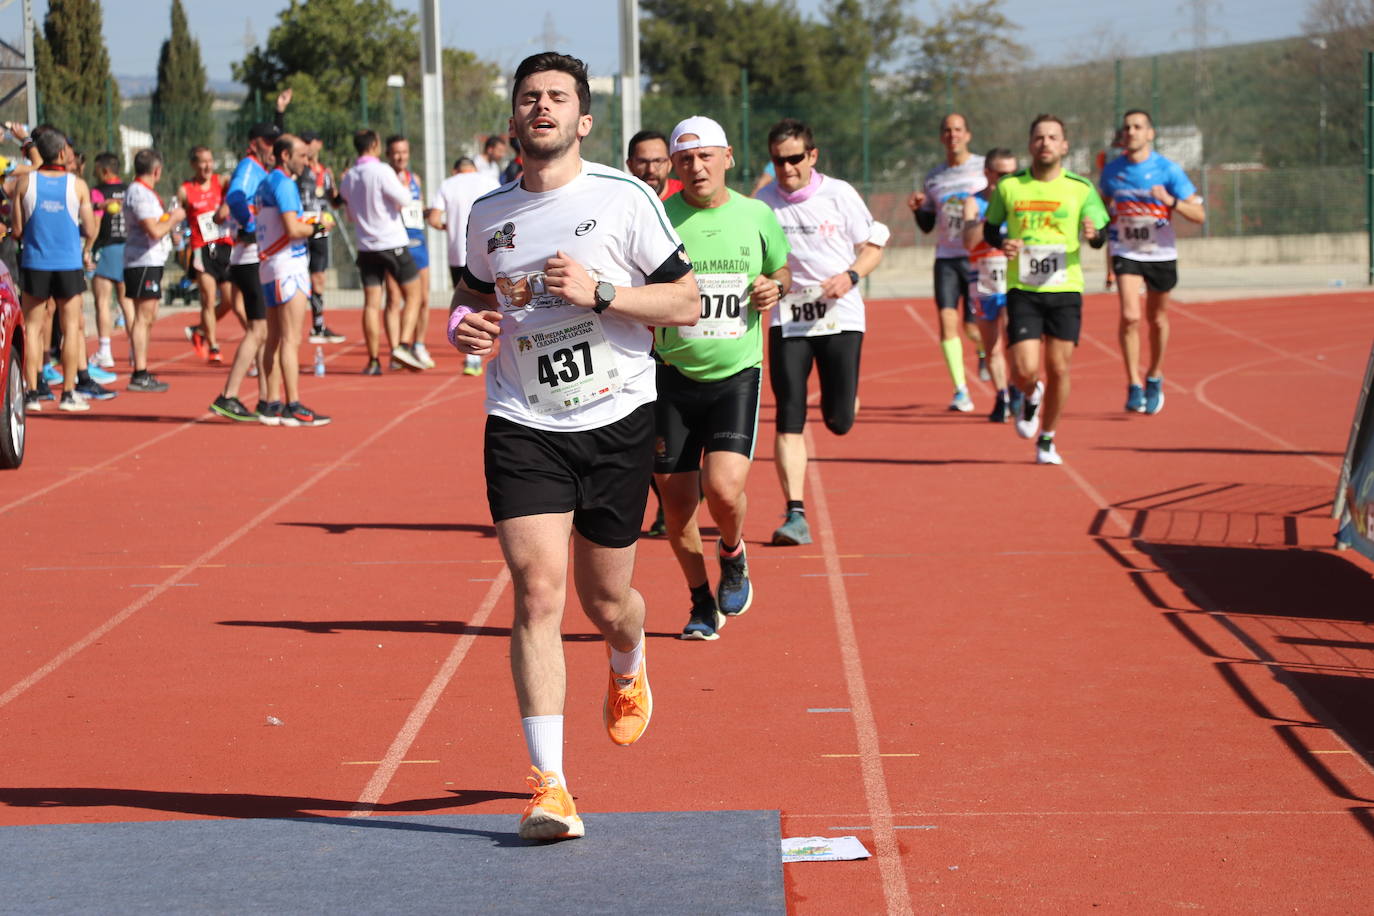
241,199
413,216
945,187
1141,229
278,255
52,215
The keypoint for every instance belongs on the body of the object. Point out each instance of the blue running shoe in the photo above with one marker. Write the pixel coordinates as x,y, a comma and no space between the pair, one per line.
705,623
734,594
97,374
1135,399
1154,395
51,374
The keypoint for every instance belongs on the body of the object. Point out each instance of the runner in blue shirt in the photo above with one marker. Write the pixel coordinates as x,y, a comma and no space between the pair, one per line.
1143,190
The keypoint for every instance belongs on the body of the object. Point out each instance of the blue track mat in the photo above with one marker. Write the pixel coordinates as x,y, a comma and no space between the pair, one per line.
672,862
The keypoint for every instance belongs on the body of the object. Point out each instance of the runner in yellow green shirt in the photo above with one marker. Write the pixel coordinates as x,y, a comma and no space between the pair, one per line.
1045,207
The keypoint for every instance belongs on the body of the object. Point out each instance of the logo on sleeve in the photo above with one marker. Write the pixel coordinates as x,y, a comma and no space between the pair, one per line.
503,238
584,227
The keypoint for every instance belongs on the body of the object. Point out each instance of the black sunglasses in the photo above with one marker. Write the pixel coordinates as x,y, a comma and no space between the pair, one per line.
789,160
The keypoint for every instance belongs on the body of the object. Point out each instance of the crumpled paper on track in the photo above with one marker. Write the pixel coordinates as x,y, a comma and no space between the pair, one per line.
823,849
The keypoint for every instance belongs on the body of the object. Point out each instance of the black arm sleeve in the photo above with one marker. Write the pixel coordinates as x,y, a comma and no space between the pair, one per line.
676,267
925,219
992,234
476,285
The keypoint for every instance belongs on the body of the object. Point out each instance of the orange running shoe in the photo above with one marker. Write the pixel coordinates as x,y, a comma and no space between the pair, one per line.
629,704
551,814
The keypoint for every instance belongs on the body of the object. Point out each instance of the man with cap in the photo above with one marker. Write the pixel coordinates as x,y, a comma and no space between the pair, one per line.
706,416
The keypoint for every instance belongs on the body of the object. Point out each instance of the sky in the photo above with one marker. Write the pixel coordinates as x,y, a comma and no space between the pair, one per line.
1053,29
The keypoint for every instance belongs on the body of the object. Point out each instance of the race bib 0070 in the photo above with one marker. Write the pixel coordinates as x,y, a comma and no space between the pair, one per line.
724,304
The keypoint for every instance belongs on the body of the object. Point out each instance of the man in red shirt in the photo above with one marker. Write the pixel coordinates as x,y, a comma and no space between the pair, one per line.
202,196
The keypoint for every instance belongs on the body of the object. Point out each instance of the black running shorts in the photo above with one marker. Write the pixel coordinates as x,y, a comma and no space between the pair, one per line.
836,357
246,281
375,265
951,285
52,284
600,475
212,259
695,417
319,254
143,283
1160,276
1031,316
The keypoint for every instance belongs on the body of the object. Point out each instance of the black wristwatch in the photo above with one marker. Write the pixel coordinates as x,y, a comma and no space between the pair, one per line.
604,295
853,276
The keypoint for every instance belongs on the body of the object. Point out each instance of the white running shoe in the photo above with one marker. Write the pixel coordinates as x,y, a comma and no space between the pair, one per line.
422,354
1046,453
1028,422
962,402
105,359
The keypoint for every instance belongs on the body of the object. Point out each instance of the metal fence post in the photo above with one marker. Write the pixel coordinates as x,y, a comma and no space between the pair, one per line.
1116,97
864,125
1369,157
744,125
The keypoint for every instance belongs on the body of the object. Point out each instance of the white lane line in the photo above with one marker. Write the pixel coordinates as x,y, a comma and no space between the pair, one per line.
888,852
171,581
1264,344
400,745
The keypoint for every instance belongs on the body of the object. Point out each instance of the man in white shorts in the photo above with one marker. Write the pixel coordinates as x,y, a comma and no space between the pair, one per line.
822,319
569,266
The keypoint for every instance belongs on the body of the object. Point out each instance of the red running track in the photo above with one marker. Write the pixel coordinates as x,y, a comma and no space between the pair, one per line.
1139,681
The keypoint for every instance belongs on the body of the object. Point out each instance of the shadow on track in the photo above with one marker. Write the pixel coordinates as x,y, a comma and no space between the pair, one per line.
435,627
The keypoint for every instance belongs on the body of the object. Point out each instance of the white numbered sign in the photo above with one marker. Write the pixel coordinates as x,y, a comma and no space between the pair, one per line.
952,221
1043,265
209,229
413,215
565,365
1137,233
806,313
992,275
724,308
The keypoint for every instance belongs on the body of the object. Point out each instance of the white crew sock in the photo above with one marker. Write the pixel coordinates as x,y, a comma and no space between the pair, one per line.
544,738
626,664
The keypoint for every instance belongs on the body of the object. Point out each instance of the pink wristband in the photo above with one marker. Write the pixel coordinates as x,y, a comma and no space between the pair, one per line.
454,320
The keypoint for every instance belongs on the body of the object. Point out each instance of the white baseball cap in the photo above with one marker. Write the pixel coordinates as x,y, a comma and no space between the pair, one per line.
706,131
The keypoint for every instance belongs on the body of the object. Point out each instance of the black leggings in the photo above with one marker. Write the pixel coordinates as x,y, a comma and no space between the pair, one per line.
837,364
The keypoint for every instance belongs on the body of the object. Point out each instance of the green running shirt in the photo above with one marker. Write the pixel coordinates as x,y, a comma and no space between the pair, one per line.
729,246
1048,217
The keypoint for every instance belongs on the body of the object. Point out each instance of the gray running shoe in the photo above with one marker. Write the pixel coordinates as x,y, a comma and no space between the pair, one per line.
794,530
233,409
146,382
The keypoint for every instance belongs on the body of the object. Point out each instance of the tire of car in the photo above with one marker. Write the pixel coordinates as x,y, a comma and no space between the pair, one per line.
12,422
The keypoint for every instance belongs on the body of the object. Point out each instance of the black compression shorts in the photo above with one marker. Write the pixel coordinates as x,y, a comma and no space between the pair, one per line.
692,417
836,357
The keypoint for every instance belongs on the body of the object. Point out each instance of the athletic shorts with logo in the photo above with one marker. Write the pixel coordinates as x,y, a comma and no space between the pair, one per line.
279,291
691,418
143,282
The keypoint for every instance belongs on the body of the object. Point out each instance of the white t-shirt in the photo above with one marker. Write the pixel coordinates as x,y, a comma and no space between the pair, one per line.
823,231
142,250
375,197
455,197
560,367
946,186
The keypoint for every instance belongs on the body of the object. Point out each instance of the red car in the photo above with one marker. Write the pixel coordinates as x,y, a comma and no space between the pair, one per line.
11,373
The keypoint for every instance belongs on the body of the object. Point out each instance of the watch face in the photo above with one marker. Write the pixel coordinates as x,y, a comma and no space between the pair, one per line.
605,292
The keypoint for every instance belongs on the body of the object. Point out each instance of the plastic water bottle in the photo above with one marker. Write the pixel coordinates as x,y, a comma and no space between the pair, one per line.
319,361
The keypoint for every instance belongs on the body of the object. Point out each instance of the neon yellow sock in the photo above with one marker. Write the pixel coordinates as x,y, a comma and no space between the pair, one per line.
954,360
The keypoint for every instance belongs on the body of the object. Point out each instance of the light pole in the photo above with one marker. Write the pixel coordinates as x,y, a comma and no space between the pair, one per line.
1320,45
397,81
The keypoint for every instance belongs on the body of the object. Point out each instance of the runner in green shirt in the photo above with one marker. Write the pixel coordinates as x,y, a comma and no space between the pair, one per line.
1044,207
708,381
